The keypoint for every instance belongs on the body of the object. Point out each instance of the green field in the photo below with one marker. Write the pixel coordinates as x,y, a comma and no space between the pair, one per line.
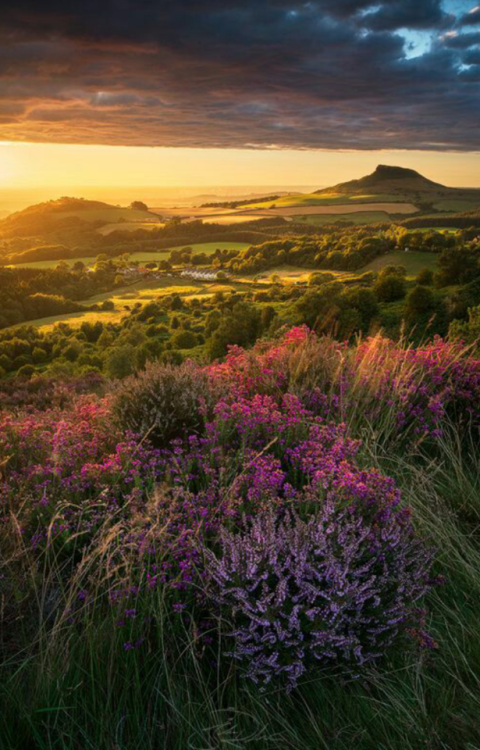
413,262
144,291
359,217
126,297
129,226
143,257
456,205
108,215
74,319
327,199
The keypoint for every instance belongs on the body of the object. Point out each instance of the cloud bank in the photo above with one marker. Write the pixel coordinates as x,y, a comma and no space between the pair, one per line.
242,73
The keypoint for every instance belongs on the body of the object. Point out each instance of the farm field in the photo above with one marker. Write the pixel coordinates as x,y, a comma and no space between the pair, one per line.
75,319
360,217
107,214
125,298
324,199
289,274
129,226
413,262
343,208
229,218
142,257
456,205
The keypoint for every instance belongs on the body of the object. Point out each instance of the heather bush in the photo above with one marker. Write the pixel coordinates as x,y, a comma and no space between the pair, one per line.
402,392
253,511
330,591
163,402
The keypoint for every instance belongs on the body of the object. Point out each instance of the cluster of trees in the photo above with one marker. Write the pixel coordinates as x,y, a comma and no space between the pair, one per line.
344,249
188,257
244,202
30,293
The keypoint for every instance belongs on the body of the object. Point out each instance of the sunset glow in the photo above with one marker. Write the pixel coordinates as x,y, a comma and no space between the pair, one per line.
59,166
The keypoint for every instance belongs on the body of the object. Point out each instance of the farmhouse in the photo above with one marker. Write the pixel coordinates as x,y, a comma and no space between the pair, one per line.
208,274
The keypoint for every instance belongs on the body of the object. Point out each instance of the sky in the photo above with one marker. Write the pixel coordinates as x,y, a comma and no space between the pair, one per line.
237,92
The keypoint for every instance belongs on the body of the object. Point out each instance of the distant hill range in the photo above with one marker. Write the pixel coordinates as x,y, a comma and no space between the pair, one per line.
396,181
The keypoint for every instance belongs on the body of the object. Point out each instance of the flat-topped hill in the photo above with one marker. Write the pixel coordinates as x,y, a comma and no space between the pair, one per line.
387,179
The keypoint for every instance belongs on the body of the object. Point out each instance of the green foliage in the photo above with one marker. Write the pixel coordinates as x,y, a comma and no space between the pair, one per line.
184,340
120,362
26,371
425,277
458,265
466,330
239,326
389,286
419,301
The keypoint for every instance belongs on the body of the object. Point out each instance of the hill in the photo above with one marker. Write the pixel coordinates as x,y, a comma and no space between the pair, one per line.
386,179
43,218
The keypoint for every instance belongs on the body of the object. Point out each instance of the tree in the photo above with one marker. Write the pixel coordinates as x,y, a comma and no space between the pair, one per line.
389,288
267,315
457,265
319,309
425,277
138,206
39,355
239,326
420,301
365,303
184,340
319,278
466,330
120,361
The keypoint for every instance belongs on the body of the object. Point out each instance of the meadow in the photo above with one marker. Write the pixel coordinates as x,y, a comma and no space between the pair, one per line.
340,209
413,262
279,550
325,199
357,217
129,226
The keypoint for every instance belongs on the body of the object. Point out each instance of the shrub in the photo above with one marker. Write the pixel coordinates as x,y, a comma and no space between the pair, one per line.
39,355
389,288
163,402
120,361
5,362
184,340
330,590
425,277
26,371
420,300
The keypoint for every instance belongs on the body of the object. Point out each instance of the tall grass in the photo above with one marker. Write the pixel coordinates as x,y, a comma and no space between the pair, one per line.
73,686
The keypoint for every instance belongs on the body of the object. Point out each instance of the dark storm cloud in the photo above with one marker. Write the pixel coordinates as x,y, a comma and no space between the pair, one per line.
244,73
412,14
471,18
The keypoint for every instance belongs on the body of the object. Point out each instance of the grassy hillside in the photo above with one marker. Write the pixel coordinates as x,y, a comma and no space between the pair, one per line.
44,217
412,261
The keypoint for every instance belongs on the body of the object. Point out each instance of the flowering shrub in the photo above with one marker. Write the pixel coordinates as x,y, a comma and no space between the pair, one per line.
239,488
163,402
58,463
42,393
331,590
410,391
